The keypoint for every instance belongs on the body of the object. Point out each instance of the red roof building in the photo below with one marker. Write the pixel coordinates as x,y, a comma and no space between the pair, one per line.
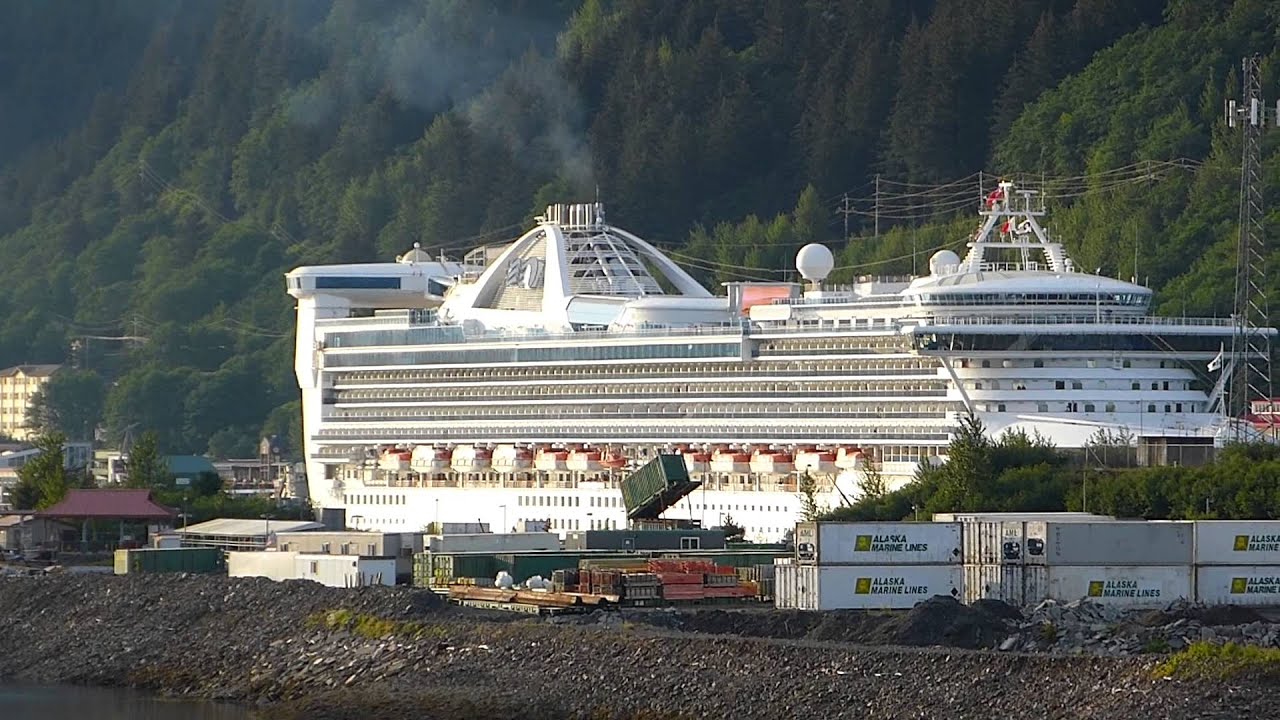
109,504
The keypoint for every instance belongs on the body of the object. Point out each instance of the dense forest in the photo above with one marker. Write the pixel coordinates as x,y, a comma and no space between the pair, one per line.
163,162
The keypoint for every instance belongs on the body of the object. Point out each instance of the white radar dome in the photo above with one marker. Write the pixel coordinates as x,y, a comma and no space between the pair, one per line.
943,261
815,262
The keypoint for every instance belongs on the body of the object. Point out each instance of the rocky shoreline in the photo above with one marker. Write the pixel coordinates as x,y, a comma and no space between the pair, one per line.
299,650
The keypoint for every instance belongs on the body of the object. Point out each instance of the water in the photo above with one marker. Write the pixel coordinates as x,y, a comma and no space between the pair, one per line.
77,703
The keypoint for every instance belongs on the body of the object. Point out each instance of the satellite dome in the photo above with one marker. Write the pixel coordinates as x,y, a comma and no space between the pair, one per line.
942,262
416,255
815,262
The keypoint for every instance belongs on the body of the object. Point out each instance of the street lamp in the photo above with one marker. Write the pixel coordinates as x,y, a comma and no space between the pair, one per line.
504,517
184,517
266,539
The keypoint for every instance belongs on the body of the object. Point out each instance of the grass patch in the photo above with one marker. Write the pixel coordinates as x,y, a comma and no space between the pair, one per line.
1220,662
372,626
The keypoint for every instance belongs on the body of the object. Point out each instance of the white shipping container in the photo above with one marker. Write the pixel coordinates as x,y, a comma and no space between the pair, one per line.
1110,543
1253,585
494,542
1129,586
887,543
345,571
987,543
862,587
1237,542
258,563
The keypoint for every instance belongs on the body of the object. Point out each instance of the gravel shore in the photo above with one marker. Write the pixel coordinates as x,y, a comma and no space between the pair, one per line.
281,647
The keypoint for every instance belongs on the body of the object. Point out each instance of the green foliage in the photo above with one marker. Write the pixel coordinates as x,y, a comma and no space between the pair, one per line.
145,467
808,494
70,403
373,627
44,480
1204,660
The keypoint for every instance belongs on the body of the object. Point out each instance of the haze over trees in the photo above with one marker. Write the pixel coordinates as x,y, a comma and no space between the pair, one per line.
163,162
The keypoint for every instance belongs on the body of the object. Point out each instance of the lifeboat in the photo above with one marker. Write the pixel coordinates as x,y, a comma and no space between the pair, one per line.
772,462
584,459
427,459
469,458
815,461
849,458
509,459
613,461
395,459
730,461
550,459
697,462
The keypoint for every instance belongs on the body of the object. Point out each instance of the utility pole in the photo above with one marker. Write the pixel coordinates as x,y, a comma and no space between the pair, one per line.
877,213
1250,341
844,210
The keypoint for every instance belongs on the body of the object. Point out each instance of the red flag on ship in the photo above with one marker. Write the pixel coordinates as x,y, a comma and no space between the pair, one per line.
1007,227
994,197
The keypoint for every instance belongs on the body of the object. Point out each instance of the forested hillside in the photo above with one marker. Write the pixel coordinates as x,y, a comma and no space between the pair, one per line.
163,162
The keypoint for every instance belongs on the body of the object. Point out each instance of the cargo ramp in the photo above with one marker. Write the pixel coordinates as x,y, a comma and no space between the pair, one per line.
656,486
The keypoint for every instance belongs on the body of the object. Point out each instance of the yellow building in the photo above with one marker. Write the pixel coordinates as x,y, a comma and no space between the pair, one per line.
18,385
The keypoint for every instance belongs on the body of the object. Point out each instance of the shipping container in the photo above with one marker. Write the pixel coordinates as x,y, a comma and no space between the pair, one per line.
522,566
690,540
887,543
993,542
868,587
269,564
656,485
1237,542
1252,585
493,542
1110,543
1134,586
345,571
168,560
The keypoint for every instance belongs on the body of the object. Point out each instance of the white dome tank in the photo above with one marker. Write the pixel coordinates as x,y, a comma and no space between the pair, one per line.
943,261
815,262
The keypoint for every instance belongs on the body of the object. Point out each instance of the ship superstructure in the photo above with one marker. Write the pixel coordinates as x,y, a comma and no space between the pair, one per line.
522,382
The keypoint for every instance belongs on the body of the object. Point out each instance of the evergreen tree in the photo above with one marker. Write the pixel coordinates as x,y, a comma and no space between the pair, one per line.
145,468
44,480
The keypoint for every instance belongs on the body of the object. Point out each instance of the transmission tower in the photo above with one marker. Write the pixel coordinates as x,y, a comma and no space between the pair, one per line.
1251,341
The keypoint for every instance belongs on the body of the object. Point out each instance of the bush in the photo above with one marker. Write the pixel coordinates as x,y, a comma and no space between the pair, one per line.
1204,660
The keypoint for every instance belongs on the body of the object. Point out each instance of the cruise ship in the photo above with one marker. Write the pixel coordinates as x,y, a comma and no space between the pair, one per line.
520,384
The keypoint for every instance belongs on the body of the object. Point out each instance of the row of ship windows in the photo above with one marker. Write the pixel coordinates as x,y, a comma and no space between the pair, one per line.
1132,299
826,388
372,499
1075,407
567,501
765,368
536,354
1074,385
1089,363
639,411
735,432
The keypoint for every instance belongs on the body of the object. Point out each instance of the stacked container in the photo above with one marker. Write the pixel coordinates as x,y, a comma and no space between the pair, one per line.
1238,562
870,565
1116,562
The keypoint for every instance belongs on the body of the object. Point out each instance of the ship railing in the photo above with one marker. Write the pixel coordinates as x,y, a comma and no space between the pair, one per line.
664,434
904,368
1081,319
605,394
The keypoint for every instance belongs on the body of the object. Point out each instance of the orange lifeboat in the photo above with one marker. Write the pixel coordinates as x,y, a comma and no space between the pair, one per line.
849,458
509,459
730,461
772,462
815,461
697,462
428,459
551,459
613,461
395,459
469,458
584,460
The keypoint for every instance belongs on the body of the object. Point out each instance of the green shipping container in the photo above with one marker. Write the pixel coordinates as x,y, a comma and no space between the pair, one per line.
448,566
168,560
522,566
655,485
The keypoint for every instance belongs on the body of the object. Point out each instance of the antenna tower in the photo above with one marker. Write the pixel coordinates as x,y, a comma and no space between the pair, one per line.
1251,341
